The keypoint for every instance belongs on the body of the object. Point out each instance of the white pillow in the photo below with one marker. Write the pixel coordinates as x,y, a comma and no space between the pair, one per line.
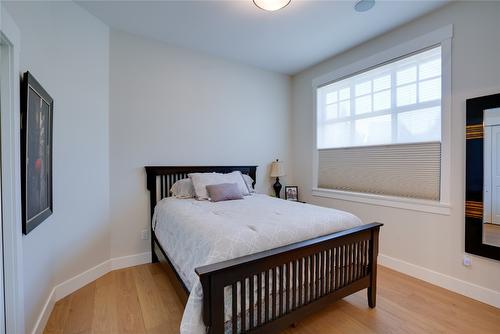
183,189
202,180
249,182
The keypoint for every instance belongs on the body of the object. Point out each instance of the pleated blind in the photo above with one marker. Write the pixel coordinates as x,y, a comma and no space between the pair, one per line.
404,170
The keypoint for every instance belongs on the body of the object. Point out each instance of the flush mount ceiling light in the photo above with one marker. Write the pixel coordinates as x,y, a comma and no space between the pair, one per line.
364,5
271,5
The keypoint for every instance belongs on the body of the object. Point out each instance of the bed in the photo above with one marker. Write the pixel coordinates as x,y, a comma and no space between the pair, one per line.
245,290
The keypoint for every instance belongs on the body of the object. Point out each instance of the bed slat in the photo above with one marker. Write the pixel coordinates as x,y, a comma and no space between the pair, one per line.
289,284
326,271
316,276
355,262
348,264
300,283
276,296
266,296
281,290
331,287
235,308
251,302
243,298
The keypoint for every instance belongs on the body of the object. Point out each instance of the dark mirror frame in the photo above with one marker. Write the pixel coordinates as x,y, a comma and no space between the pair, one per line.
474,178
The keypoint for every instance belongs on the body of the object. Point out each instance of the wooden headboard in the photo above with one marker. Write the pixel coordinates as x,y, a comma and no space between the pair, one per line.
161,178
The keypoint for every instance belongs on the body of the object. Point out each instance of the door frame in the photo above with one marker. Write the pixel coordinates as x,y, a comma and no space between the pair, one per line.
11,186
495,131
491,121
487,191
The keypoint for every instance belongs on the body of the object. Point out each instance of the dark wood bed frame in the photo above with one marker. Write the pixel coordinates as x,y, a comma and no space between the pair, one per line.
291,282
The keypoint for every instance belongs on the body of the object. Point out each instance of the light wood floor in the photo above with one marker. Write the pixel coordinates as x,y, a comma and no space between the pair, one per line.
142,300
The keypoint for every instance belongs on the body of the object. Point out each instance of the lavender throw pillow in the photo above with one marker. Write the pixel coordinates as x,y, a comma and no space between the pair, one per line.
224,192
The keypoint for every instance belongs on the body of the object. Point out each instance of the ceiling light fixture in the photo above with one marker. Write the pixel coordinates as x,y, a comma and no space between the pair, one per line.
364,5
271,5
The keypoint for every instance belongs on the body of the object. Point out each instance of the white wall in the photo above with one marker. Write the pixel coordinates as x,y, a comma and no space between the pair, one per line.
171,106
432,241
66,49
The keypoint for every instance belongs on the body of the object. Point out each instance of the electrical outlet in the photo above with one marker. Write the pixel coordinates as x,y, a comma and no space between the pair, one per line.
467,261
145,234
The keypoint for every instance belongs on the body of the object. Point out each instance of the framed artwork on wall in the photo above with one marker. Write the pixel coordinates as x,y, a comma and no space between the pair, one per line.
36,153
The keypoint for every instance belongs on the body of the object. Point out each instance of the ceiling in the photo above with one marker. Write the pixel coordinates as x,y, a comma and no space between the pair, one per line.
286,41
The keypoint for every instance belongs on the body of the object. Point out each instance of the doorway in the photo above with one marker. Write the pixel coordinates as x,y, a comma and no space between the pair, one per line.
11,252
4,91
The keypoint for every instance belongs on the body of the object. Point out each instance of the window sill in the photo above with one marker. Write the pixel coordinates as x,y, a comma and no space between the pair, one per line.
388,201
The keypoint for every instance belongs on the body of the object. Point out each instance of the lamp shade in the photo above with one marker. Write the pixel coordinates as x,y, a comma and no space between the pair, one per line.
277,169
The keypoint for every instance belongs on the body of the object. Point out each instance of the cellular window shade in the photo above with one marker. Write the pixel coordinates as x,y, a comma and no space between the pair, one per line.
403,170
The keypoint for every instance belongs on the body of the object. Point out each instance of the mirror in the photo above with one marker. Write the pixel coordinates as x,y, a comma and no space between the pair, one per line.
491,179
482,181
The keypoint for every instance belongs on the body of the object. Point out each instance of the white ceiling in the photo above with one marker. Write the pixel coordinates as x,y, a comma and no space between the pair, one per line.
286,41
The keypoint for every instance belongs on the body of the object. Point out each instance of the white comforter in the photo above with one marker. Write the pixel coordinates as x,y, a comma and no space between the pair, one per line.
195,233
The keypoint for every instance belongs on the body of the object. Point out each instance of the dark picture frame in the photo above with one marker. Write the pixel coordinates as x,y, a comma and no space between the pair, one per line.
474,176
37,108
292,193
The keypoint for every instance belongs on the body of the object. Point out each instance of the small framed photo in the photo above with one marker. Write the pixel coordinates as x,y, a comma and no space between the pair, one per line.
292,193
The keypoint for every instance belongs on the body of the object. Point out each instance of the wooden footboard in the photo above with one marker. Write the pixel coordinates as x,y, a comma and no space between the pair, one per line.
290,282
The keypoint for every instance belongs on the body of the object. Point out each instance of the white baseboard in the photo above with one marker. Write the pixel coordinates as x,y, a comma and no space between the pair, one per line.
41,322
482,294
71,285
130,261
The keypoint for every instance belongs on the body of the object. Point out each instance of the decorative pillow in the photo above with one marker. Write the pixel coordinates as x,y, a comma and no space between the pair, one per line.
202,180
183,189
249,182
224,192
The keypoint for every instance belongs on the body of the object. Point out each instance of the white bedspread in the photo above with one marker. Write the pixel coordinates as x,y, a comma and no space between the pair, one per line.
195,233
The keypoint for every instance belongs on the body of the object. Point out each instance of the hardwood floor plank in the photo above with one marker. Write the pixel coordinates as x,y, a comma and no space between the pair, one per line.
129,316
143,300
170,299
81,310
153,309
105,318
58,317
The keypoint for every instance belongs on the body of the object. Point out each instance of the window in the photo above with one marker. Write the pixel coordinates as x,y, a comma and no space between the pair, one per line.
379,131
399,102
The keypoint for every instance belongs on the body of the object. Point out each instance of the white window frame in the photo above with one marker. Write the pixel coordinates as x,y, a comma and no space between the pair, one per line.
443,37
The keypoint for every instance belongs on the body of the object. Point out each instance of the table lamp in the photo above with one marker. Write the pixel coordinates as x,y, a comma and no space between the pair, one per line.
277,170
